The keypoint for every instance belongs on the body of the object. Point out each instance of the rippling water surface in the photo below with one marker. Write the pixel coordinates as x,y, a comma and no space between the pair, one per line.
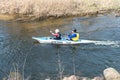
39,61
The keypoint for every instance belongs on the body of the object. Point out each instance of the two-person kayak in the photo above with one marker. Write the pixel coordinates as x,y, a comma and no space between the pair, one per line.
49,40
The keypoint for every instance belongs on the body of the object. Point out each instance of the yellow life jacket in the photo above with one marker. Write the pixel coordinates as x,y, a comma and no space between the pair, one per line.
76,38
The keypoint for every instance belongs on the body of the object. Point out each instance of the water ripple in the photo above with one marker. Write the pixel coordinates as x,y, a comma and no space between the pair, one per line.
108,43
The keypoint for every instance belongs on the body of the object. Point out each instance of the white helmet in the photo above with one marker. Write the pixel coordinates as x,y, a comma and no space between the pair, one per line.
57,30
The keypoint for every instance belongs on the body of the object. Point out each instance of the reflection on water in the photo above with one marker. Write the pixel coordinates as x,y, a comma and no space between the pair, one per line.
41,60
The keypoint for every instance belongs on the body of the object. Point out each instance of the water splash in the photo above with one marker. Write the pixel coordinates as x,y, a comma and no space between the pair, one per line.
108,43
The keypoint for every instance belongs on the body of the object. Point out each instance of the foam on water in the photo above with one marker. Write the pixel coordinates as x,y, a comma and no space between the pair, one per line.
108,43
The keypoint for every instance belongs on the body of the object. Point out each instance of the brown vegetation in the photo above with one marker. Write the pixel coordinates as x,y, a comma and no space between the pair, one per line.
55,8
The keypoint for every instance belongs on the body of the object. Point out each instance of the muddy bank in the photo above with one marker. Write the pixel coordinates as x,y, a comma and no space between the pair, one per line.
42,9
24,18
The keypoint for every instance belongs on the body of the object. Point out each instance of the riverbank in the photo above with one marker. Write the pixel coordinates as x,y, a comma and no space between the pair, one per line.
42,9
108,74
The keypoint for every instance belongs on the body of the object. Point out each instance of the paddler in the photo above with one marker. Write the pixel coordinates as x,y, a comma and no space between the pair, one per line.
74,36
57,34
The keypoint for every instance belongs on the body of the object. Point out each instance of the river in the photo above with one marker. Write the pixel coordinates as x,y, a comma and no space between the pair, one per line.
39,61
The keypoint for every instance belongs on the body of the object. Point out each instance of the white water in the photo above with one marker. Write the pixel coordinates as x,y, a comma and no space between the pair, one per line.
108,43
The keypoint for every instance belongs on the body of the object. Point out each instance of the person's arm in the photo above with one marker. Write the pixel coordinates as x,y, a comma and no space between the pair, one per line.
54,34
71,36
51,32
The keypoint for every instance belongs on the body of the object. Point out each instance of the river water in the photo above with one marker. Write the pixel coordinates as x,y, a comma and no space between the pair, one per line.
38,61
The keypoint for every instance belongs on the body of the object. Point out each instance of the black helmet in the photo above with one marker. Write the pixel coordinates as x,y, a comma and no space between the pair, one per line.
74,30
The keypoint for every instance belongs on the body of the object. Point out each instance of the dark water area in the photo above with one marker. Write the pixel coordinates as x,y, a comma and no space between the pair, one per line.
39,61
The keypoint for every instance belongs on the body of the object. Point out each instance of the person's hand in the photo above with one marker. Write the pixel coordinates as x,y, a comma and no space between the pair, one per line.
50,31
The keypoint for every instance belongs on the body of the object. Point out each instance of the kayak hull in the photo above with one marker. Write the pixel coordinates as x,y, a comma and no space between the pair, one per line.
49,40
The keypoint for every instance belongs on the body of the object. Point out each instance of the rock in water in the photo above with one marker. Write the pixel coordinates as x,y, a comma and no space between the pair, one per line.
111,74
72,77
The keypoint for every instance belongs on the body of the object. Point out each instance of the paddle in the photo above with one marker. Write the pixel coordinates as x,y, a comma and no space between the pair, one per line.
51,37
48,29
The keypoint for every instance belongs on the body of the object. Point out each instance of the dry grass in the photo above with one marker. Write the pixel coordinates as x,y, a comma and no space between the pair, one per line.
56,8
